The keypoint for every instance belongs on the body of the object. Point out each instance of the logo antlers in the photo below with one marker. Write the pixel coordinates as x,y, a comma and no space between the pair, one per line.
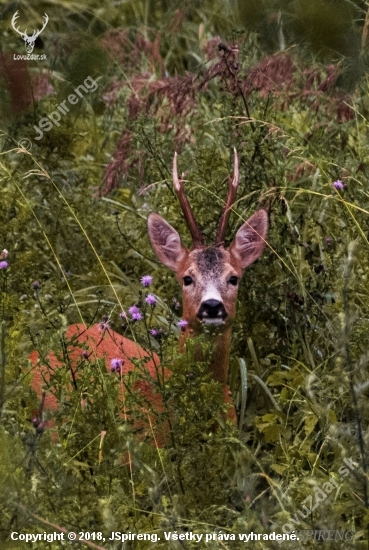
29,40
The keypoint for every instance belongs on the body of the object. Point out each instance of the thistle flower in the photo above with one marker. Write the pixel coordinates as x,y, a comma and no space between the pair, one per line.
36,285
104,325
133,310
156,333
3,265
146,280
150,299
137,316
123,315
338,184
84,354
182,324
328,240
116,365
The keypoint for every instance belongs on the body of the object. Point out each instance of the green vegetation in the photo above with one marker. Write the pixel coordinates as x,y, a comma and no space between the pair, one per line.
73,210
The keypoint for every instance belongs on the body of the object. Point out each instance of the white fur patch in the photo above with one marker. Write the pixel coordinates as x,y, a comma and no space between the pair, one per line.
211,293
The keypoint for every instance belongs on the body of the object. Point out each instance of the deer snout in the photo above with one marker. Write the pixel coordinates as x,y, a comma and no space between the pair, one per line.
212,312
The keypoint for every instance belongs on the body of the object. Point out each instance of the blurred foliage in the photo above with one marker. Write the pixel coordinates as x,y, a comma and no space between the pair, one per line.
292,98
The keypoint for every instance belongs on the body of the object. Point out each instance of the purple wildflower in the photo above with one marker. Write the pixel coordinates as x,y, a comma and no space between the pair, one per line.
4,254
328,240
123,315
137,316
36,285
116,365
85,354
3,265
104,325
133,310
176,304
156,333
338,184
150,299
146,280
182,324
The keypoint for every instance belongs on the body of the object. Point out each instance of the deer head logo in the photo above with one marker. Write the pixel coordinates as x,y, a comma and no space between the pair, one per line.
29,40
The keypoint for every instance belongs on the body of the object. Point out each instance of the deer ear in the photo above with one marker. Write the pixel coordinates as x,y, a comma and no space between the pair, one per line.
250,239
166,242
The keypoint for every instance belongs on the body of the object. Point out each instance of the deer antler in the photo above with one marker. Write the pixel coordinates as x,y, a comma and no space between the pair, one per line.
24,34
197,237
15,17
46,20
232,190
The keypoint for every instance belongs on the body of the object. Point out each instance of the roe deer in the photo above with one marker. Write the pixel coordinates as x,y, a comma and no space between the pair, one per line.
209,276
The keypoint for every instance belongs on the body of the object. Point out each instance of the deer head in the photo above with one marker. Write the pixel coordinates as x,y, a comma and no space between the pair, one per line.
29,40
209,275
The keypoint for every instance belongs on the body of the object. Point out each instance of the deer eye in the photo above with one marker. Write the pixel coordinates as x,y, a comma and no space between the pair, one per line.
187,280
233,280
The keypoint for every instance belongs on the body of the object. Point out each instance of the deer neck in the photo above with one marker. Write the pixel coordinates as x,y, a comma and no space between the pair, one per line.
219,363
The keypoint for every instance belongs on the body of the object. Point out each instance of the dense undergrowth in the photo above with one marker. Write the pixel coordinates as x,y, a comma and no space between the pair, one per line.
73,211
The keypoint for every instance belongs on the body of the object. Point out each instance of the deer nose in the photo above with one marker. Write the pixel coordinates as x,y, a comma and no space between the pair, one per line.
212,309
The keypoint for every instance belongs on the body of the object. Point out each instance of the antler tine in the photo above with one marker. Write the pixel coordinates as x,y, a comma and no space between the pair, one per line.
46,20
197,237
14,19
232,190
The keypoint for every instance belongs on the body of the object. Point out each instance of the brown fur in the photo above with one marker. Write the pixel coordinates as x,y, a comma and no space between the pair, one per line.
210,269
106,345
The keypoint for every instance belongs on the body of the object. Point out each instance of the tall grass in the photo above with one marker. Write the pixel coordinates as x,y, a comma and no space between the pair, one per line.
73,213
